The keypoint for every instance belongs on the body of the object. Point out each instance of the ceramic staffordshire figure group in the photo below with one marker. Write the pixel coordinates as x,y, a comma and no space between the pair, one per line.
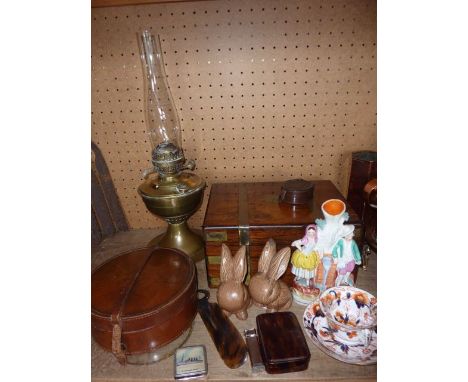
326,255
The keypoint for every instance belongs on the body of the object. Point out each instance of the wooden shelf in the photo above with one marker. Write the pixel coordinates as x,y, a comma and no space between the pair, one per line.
105,368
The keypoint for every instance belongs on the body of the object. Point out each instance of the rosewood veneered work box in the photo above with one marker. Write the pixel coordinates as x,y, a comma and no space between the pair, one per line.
251,213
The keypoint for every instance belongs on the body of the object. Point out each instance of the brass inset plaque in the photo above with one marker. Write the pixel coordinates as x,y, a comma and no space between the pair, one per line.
214,259
216,236
214,281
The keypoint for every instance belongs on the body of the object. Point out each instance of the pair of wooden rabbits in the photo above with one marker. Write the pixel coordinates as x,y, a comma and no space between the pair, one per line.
265,289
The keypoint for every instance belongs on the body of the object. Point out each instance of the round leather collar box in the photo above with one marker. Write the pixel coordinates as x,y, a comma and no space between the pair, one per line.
143,303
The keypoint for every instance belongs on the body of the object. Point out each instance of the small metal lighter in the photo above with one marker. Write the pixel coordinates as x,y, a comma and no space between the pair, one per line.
255,356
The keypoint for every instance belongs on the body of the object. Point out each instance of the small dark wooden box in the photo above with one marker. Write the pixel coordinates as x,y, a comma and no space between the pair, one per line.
250,214
282,343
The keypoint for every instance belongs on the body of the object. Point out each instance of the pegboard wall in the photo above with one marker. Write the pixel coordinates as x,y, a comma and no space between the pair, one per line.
266,90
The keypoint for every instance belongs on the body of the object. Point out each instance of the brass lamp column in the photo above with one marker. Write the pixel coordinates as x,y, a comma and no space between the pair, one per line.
173,194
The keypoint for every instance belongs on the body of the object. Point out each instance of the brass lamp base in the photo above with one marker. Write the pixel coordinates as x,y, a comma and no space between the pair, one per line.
180,236
174,199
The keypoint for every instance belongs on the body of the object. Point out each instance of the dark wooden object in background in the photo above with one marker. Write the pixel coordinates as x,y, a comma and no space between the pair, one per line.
363,169
252,212
369,215
107,216
282,343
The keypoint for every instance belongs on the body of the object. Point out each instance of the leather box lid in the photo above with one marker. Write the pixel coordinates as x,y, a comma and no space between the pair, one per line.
281,339
263,206
164,281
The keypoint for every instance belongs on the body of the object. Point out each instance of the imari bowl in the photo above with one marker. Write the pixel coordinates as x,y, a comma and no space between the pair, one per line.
324,337
350,312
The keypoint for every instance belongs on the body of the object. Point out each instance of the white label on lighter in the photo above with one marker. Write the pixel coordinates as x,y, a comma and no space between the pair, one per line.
190,362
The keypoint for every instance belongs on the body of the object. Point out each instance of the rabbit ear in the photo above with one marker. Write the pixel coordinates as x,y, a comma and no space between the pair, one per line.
225,271
279,264
267,254
239,266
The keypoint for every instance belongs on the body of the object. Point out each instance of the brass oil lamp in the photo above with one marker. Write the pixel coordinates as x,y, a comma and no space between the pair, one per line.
168,191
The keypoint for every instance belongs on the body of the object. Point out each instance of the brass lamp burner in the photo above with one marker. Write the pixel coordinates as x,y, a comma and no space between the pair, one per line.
168,159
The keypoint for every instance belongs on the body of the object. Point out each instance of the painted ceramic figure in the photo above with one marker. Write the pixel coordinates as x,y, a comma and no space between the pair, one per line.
326,255
346,255
329,231
305,260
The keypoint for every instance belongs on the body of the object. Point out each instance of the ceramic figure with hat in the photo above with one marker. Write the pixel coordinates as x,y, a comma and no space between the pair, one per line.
305,260
346,255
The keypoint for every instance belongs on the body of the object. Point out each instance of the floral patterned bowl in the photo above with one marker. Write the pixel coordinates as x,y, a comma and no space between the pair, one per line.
323,337
351,313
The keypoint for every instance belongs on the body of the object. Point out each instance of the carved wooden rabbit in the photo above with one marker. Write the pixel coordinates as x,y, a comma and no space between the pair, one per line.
233,295
265,288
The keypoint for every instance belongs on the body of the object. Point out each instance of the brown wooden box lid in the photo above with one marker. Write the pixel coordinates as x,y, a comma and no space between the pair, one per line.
264,208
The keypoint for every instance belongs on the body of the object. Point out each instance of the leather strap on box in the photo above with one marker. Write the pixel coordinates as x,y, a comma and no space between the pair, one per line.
118,347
